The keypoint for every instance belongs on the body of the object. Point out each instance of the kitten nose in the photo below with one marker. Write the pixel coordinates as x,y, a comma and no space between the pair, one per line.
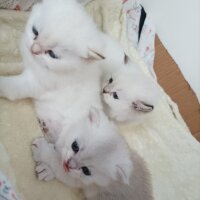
66,166
36,49
104,91
70,164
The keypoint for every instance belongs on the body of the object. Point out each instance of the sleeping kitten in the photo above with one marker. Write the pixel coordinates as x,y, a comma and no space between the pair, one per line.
92,155
129,95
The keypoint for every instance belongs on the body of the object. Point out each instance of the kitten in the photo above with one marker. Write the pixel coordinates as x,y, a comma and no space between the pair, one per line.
128,94
93,156
60,73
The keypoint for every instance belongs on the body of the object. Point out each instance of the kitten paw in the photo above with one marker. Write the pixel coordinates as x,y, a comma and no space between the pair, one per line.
50,130
39,148
44,172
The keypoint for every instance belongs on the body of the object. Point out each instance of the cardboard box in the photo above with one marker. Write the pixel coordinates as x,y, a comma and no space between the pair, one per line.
174,84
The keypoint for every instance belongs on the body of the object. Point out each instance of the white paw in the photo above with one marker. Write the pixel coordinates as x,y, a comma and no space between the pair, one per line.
44,172
39,148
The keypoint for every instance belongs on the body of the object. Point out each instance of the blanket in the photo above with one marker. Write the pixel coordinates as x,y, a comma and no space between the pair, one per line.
164,141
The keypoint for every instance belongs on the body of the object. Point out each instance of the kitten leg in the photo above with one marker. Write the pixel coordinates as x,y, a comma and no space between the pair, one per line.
42,153
44,172
19,86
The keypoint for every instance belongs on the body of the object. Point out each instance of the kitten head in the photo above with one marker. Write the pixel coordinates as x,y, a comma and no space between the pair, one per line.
93,152
59,35
129,94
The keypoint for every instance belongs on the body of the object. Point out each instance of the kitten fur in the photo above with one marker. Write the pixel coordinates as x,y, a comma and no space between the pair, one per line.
62,53
128,94
139,187
59,58
115,170
60,71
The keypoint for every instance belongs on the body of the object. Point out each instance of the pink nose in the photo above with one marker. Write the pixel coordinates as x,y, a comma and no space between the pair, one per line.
70,164
104,91
66,167
36,49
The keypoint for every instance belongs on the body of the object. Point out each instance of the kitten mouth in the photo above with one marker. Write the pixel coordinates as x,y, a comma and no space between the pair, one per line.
105,91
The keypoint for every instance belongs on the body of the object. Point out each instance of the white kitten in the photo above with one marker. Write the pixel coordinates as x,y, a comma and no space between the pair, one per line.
60,73
129,95
92,155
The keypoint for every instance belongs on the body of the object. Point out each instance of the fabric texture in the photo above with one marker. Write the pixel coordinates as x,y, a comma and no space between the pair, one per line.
140,31
18,4
6,189
164,141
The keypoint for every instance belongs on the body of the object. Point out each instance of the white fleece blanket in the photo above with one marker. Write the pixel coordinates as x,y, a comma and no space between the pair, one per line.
164,141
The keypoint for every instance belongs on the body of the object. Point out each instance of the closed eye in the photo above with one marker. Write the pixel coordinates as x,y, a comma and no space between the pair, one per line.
52,54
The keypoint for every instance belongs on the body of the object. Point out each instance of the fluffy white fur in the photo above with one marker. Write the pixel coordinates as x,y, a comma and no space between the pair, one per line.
60,73
139,187
60,49
103,151
63,52
129,95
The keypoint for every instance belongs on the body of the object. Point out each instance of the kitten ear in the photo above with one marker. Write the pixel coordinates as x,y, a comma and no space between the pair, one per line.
122,175
94,55
94,116
142,106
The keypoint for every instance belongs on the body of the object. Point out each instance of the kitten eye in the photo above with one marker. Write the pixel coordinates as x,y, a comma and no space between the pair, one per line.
110,80
52,54
86,171
35,32
75,146
115,96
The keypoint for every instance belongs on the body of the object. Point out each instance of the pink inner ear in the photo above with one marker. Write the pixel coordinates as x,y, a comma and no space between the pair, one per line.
94,55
